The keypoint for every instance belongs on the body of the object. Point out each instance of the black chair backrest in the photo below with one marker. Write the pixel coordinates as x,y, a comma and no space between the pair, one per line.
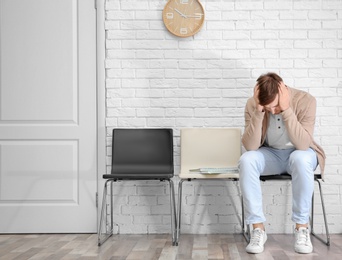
142,153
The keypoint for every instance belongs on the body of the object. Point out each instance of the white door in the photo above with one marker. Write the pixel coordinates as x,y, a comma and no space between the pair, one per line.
47,116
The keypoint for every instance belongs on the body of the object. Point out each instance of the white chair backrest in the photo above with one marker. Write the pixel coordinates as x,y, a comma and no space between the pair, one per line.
209,148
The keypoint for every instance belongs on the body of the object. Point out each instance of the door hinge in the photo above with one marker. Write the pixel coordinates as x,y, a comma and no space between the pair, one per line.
97,199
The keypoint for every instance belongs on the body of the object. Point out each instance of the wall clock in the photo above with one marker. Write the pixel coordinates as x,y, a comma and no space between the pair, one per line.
183,18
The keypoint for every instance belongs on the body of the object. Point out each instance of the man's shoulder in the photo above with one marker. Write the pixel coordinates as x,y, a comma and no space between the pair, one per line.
301,95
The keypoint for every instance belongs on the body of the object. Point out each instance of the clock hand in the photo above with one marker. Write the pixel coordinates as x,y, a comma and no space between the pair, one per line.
183,15
197,15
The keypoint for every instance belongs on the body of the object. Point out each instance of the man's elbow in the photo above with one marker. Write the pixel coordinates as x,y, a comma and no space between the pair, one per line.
249,146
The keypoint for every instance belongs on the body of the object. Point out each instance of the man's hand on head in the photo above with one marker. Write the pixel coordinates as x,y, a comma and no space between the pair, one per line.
284,97
259,107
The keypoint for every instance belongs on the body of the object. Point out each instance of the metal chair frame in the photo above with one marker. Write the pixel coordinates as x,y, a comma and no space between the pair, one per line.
180,189
138,154
287,177
102,237
197,145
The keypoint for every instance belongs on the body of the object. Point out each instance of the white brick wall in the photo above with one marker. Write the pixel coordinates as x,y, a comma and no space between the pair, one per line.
155,79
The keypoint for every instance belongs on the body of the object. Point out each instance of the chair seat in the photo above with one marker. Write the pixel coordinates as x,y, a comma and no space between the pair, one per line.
283,176
209,176
138,176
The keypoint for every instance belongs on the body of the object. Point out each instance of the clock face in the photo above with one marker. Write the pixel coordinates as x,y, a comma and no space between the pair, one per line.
183,18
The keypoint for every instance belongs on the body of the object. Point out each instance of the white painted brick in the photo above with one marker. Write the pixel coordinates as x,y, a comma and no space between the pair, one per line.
278,5
322,15
238,54
149,73
193,45
151,112
307,44
167,102
236,35
279,63
131,122
219,6
331,24
192,83
119,15
293,15
192,64
208,74
120,73
142,200
150,54
332,63
324,73
322,34
281,24
267,54
249,25
262,15
308,63
293,34
112,25
308,24
120,34
134,25
207,93
325,53
149,35
218,25
149,93
117,112
296,54
133,64
160,122
179,112
134,5
279,44
175,74
337,44
248,5
112,5
235,15
222,44
307,4
212,15
148,44
236,73
162,83
264,34
122,54
219,64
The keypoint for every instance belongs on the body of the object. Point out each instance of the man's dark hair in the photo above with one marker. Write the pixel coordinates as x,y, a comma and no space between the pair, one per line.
268,87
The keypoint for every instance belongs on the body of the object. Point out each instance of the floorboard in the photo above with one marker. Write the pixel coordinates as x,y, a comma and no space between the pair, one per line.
157,247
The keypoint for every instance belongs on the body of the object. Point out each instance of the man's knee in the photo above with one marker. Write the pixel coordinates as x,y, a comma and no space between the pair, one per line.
249,159
301,159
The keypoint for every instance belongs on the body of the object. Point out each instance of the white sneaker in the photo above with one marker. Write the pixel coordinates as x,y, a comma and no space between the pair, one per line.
303,243
258,239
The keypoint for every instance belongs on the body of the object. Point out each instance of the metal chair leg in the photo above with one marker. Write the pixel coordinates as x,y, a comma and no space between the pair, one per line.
180,188
104,214
245,232
173,213
327,241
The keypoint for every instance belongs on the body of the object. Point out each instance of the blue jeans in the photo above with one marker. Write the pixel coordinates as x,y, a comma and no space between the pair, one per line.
269,161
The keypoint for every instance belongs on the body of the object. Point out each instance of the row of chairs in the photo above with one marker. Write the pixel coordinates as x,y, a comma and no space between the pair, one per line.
147,154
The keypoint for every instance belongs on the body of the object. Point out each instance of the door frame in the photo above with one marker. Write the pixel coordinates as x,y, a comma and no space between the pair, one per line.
101,100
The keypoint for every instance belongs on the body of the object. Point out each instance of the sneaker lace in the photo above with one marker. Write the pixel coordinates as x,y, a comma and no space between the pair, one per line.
256,237
302,237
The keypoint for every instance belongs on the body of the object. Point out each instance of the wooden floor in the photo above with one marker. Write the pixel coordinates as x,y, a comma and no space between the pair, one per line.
148,247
